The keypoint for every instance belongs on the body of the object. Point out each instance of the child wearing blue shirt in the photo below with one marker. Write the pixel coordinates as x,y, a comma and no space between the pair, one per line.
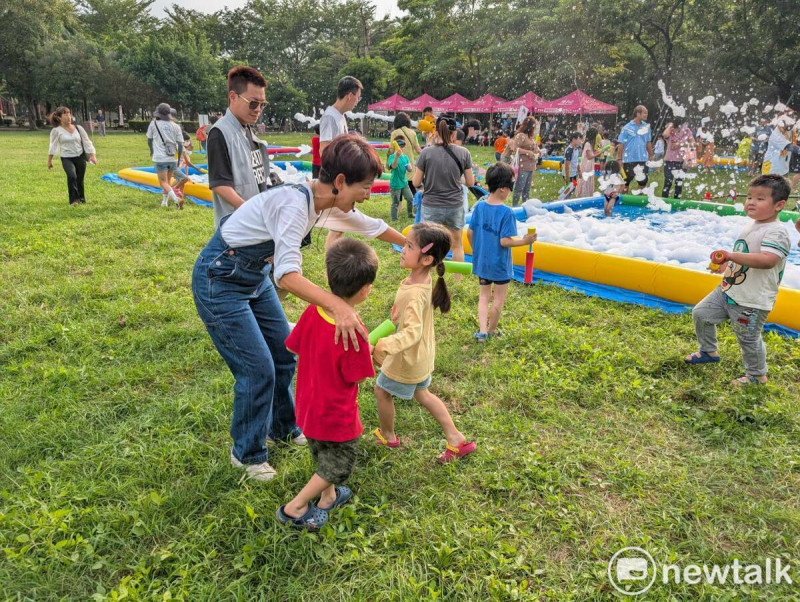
399,165
490,233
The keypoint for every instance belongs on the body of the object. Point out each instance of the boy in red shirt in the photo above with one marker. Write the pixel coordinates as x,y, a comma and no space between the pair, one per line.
316,156
326,404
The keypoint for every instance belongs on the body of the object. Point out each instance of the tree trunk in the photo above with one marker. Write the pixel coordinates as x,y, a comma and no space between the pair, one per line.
33,114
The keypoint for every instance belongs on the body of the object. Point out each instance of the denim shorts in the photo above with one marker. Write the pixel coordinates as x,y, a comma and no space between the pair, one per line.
166,166
449,217
401,390
179,176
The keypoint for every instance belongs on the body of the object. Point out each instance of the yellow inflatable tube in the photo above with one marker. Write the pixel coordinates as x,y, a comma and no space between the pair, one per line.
551,164
660,280
200,191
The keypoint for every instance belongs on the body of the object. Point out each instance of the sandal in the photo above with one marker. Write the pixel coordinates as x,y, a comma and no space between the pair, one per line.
747,379
385,442
702,357
314,518
481,337
454,453
497,333
343,495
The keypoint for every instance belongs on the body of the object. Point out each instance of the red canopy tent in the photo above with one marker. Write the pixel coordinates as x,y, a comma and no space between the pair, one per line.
530,100
451,104
487,103
576,103
419,103
392,103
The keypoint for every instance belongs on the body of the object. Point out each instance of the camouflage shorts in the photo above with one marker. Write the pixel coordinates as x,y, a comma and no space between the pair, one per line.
334,459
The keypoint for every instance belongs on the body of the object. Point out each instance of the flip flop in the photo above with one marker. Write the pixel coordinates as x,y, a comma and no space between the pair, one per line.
343,495
454,453
703,358
747,379
314,518
384,441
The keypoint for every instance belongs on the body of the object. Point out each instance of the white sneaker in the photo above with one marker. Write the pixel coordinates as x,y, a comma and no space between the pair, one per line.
174,198
164,200
299,440
257,472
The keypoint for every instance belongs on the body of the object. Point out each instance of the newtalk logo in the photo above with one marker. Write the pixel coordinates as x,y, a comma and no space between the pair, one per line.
632,571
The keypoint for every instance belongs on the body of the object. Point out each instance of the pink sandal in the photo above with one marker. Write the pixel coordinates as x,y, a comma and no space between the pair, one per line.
454,453
385,442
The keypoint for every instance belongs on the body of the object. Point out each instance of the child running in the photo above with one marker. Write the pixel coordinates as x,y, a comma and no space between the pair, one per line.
490,233
327,388
752,274
407,357
399,165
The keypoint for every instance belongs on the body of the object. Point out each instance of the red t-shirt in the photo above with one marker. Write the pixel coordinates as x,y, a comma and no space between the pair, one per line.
316,158
326,397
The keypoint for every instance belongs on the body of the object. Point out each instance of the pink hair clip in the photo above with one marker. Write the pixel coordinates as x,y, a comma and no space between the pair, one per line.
426,248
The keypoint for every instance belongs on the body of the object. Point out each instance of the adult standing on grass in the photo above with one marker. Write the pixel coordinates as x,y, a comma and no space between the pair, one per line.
333,124
71,143
101,122
440,168
167,144
238,303
402,130
634,147
238,162
525,146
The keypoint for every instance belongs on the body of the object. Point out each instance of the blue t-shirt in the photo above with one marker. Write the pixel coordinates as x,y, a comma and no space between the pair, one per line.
490,223
399,179
635,143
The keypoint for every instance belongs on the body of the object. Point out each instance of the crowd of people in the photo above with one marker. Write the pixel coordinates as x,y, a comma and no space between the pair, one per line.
254,259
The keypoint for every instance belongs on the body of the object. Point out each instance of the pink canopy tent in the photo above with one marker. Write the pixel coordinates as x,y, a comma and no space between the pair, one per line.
451,104
487,103
576,103
393,103
530,100
419,103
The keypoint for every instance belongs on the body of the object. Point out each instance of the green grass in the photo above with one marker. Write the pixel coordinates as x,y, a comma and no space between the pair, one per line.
593,435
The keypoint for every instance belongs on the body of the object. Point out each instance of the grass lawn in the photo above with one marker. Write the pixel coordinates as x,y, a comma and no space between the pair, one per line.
592,434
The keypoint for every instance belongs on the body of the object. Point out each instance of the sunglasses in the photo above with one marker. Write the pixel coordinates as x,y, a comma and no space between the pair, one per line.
253,104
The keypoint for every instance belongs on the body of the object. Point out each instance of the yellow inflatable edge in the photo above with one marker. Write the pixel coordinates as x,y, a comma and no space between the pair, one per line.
200,191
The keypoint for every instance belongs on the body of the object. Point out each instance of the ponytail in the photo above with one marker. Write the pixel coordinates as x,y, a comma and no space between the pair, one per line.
443,130
435,237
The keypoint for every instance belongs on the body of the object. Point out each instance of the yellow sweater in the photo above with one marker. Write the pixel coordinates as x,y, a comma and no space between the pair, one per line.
408,355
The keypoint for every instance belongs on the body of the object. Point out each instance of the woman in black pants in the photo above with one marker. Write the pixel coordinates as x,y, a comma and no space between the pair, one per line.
71,143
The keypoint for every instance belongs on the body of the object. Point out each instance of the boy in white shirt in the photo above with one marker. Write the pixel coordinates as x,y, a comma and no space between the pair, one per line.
752,274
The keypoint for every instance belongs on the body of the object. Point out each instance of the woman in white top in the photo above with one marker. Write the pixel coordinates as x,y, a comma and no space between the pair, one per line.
167,141
71,143
238,303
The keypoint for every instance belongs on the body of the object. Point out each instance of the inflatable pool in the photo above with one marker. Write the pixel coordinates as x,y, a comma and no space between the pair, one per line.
672,284
197,187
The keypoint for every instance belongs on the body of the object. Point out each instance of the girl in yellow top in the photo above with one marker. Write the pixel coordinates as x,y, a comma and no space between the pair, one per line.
406,357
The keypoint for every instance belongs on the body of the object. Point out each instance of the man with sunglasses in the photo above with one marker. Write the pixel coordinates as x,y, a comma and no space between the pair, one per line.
238,162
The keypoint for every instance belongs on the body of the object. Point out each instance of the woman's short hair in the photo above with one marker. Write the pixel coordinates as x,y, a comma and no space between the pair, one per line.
351,156
402,120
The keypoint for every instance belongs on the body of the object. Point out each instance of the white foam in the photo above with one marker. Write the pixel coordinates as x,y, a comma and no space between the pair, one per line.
677,110
704,102
684,238
728,108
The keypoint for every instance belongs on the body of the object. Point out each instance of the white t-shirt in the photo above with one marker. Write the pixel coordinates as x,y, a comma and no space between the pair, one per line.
774,162
172,136
753,287
331,124
68,144
283,214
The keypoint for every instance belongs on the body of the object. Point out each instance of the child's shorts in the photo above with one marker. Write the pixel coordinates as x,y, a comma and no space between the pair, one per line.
334,459
401,390
487,282
179,176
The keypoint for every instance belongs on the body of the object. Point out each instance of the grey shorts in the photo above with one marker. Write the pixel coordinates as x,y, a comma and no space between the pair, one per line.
449,217
334,459
166,166
401,390
179,176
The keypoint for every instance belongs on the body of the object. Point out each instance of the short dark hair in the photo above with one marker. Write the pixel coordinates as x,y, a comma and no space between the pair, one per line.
348,85
778,185
316,129
239,77
352,156
575,136
612,166
499,175
461,135
350,264
427,110
402,120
